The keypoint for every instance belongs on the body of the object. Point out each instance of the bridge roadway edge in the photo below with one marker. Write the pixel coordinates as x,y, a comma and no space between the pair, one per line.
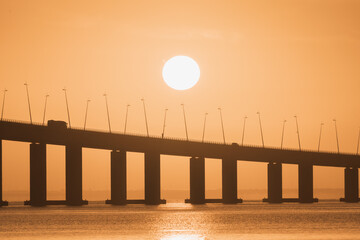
24,132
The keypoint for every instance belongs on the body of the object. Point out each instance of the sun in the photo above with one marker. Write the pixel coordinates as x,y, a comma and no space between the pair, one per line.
181,72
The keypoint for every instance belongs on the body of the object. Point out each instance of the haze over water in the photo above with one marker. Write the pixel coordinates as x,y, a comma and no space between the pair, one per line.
250,220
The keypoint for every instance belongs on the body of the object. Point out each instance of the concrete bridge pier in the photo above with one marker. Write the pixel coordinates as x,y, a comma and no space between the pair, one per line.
2,203
351,184
306,183
274,182
152,178
37,174
118,177
74,175
229,181
197,180
1,199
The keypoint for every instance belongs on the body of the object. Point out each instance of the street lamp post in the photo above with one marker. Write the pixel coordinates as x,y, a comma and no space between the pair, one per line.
163,131
126,117
86,112
297,131
337,138
203,136
261,131
28,98
282,135
357,149
67,107
321,125
222,124
3,105
243,133
186,131
46,97
107,110
146,122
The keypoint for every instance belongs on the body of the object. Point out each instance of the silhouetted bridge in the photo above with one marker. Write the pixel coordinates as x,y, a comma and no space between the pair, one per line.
152,147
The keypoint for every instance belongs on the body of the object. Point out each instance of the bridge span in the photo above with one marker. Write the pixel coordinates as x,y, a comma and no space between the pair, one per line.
76,139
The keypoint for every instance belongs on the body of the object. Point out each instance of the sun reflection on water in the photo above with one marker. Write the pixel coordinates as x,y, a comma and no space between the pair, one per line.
182,236
182,221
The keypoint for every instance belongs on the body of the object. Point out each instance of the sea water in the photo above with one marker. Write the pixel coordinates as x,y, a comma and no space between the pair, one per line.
180,221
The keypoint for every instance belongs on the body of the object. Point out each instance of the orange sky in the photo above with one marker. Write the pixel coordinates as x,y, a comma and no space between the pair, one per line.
277,57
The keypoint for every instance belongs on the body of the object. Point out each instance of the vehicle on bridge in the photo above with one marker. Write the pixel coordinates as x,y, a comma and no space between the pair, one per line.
57,124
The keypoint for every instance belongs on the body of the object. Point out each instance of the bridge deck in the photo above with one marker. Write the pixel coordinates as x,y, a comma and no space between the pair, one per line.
25,132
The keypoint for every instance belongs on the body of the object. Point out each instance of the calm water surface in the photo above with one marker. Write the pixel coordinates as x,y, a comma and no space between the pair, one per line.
183,221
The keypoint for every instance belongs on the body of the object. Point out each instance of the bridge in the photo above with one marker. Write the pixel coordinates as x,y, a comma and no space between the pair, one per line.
74,140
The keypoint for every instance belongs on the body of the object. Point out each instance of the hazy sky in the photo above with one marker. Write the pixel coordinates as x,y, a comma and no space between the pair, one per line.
277,57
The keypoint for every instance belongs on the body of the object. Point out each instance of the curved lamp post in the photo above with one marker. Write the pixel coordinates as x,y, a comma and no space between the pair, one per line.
222,124
46,97
67,107
28,99
261,131
186,131
126,117
86,112
3,104
282,135
357,149
297,131
321,125
163,131
146,122
243,133
337,138
107,110
203,136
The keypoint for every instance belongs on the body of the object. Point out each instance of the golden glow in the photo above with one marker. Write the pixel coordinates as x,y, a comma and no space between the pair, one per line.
254,55
183,237
181,72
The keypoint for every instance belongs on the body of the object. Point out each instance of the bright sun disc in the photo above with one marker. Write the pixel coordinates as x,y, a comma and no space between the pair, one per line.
181,72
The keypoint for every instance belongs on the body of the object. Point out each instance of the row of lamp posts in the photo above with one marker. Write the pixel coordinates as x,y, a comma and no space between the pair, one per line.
184,115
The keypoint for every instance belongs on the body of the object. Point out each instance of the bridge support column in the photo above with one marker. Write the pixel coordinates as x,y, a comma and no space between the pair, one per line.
118,177
274,182
197,180
229,180
306,183
152,178
2,203
38,174
74,175
1,199
351,184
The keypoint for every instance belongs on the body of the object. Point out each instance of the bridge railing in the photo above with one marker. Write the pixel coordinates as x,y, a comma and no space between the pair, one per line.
22,121
174,138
